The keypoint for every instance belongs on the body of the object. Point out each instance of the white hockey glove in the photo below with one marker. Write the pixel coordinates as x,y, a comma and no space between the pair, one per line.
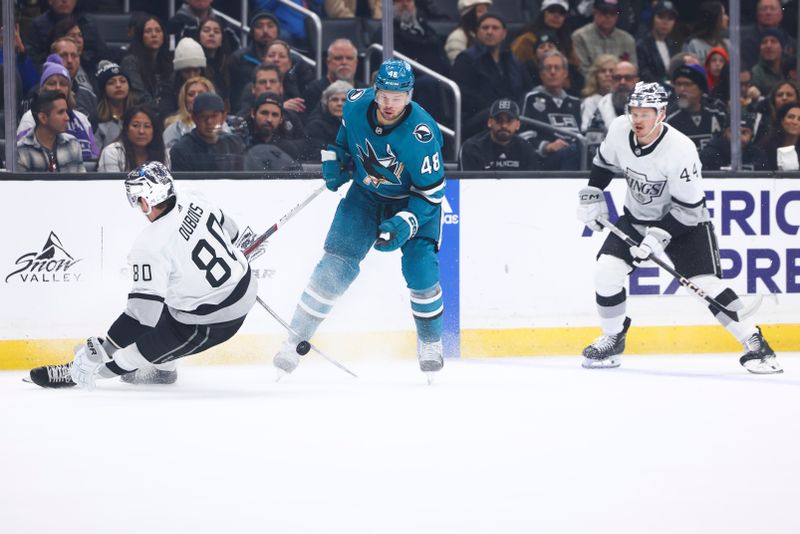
654,242
592,206
86,365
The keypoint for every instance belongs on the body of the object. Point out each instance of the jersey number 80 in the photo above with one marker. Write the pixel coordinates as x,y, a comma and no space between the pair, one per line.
205,255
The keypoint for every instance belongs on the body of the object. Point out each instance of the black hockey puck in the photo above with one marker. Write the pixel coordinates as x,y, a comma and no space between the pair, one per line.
303,347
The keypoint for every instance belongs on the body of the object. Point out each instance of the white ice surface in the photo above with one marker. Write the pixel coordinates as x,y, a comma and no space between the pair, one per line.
673,444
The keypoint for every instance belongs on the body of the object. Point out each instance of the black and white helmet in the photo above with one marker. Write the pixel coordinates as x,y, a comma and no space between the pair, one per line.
150,181
648,95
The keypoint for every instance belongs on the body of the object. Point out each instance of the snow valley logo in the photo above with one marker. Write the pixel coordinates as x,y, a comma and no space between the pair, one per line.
52,264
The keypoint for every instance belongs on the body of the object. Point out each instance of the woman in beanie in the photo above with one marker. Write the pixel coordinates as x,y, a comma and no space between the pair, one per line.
114,100
463,36
149,64
139,141
55,77
188,62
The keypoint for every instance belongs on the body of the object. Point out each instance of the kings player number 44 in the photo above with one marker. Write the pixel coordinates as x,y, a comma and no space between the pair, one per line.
665,212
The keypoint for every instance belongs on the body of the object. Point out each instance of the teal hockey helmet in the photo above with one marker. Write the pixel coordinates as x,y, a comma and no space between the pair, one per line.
395,75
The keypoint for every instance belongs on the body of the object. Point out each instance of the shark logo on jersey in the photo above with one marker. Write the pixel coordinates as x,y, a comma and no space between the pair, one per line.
380,170
423,133
355,94
642,189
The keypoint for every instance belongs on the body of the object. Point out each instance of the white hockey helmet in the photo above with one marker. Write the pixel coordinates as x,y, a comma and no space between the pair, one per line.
648,95
151,181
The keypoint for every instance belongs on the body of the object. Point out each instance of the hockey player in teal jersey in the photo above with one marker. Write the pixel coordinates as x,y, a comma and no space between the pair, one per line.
392,149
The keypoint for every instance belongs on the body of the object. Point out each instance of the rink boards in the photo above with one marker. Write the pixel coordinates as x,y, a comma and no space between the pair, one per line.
517,270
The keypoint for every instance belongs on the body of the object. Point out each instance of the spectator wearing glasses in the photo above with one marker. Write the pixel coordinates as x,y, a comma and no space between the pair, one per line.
695,114
547,42
601,36
613,104
499,148
550,103
48,147
655,49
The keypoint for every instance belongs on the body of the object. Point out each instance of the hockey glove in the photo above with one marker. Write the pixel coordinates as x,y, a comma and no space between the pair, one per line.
332,169
654,242
592,206
394,232
86,365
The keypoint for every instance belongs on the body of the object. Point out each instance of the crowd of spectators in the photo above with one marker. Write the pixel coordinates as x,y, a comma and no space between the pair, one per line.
533,80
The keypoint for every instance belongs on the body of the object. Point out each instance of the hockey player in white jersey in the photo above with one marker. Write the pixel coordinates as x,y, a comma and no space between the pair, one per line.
665,210
192,289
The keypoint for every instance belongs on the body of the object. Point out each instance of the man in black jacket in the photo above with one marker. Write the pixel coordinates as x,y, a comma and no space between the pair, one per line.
499,148
655,49
267,126
695,114
716,155
207,147
487,71
37,41
264,28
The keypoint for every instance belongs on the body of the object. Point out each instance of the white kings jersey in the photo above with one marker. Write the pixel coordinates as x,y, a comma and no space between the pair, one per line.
663,177
186,259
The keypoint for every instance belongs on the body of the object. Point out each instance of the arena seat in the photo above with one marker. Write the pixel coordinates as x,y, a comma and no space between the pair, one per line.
113,28
333,29
511,10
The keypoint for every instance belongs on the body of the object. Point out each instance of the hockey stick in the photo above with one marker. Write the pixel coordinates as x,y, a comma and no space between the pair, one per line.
310,346
685,282
304,346
274,228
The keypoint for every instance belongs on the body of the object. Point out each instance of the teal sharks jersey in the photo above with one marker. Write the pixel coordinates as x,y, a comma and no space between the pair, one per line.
403,160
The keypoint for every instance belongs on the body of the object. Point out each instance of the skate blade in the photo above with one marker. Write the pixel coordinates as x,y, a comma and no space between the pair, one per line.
610,363
430,376
762,369
27,380
279,373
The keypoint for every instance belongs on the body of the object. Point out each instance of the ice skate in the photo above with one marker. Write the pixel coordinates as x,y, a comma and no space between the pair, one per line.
759,358
430,358
150,375
286,359
605,352
52,376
